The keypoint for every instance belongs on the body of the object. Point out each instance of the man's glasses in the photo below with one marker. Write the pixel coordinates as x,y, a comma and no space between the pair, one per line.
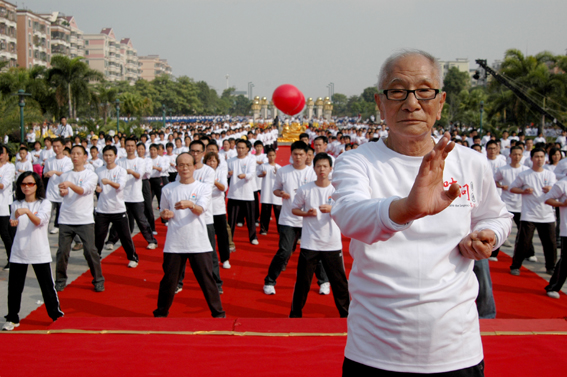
402,94
27,184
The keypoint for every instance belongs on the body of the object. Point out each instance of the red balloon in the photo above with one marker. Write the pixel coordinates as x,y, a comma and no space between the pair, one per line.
288,99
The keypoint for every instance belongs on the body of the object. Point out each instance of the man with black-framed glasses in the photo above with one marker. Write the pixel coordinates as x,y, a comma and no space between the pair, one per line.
418,214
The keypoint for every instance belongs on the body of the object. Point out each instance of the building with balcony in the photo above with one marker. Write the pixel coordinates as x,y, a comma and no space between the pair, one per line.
73,45
462,64
8,35
33,39
130,59
102,52
152,66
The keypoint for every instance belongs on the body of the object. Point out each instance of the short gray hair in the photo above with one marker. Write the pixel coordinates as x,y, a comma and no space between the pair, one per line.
387,66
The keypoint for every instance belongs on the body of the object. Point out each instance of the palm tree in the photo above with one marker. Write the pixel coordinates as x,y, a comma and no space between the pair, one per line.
103,96
71,77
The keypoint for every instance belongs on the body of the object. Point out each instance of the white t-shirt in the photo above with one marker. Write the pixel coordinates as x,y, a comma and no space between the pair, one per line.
78,209
505,176
7,174
159,162
63,165
534,208
46,154
206,175
111,200
559,192
413,293
263,159
219,207
319,232
25,166
30,243
36,157
133,188
267,194
242,188
289,180
186,232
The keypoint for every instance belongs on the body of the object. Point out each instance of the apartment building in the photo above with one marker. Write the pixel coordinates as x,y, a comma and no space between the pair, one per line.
34,39
70,42
102,52
8,35
130,60
152,66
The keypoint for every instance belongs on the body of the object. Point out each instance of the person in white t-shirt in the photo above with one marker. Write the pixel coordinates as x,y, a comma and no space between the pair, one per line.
267,173
146,186
24,164
111,208
7,174
533,184
95,161
52,171
30,214
242,172
320,239
183,204
557,197
260,158
76,218
288,180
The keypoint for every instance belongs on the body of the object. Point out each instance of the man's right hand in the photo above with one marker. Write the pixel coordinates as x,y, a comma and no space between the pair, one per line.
428,195
166,214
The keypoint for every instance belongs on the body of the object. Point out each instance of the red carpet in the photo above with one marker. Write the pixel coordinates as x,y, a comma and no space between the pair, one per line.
131,296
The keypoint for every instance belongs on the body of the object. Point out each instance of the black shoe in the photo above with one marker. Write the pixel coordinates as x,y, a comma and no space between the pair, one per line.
549,272
59,287
99,287
7,267
220,291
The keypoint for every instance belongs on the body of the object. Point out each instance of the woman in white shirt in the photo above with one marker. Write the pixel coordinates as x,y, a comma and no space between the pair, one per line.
30,214
219,209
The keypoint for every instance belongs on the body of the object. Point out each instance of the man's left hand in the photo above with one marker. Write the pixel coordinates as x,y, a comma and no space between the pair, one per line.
478,245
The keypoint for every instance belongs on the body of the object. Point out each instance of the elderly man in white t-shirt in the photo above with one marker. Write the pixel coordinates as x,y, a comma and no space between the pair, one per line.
398,200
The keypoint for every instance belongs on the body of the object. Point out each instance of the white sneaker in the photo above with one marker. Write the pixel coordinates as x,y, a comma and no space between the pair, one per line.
232,249
226,265
493,259
254,242
257,224
533,258
240,225
54,231
178,289
109,246
553,294
269,290
132,264
507,243
152,246
9,326
154,233
325,289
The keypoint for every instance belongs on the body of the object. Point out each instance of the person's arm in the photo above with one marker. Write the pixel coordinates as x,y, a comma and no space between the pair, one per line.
8,177
133,173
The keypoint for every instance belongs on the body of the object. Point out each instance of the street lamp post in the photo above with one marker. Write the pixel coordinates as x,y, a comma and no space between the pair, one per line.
481,111
117,102
22,94
163,109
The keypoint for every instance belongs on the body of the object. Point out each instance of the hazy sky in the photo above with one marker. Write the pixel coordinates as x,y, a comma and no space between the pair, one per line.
311,43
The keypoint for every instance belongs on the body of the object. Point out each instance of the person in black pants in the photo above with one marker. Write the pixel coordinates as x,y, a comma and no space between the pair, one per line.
111,207
146,188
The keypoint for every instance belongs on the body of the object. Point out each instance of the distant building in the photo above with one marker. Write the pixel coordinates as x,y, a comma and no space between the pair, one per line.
102,52
8,35
152,66
130,59
462,64
34,39
70,42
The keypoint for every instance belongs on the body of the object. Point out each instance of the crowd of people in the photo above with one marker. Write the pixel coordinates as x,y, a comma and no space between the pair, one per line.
396,192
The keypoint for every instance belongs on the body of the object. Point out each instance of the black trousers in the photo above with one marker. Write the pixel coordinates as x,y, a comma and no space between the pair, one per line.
560,273
221,232
57,207
202,266
546,233
234,208
148,208
516,218
216,270
120,223
135,211
16,282
256,207
265,216
287,245
7,233
354,369
335,269
86,234
156,185
172,177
